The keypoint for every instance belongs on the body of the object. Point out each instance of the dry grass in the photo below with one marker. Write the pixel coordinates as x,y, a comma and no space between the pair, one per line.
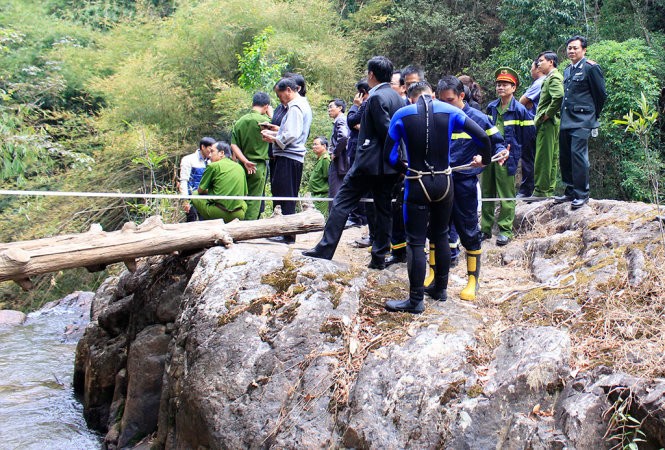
623,326
619,325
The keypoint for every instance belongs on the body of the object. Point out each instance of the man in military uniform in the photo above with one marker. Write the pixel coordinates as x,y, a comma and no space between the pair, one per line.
547,125
583,100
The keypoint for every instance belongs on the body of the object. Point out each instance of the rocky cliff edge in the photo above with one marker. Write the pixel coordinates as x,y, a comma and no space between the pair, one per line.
255,346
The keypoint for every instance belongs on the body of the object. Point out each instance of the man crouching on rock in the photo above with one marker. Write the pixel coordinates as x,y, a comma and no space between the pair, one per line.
426,127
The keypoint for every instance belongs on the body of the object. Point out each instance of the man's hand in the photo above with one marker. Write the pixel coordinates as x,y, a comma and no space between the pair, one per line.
269,136
477,161
268,126
250,167
186,207
358,99
502,156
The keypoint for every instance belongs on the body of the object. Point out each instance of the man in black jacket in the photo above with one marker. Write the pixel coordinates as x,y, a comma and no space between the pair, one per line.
370,170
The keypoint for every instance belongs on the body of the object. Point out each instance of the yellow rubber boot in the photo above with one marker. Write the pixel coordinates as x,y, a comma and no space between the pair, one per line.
430,276
473,270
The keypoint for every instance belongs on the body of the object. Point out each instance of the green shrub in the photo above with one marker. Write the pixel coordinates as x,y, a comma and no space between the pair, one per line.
617,162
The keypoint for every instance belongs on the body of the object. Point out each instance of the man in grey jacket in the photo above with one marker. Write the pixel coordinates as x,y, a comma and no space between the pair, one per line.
289,148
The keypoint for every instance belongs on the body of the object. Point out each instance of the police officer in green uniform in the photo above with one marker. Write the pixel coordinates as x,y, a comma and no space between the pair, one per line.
547,125
252,151
583,100
222,176
318,178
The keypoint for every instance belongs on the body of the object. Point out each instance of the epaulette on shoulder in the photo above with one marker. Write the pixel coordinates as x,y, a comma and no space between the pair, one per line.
593,63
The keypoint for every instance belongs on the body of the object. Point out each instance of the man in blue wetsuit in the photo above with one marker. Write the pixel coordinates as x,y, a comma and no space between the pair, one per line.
463,150
426,127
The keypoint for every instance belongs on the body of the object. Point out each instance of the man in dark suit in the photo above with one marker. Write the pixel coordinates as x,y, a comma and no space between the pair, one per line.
370,170
583,100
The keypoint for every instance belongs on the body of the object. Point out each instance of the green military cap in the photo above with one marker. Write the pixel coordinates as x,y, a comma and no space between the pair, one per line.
507,74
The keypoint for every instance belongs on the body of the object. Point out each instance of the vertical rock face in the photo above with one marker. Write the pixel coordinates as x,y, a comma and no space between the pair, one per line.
120,359
241,347
145,370
250,366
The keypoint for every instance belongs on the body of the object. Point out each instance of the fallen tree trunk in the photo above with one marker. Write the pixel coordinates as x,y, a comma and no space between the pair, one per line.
96,248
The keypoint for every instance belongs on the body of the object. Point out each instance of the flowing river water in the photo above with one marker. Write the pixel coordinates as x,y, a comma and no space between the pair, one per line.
37,405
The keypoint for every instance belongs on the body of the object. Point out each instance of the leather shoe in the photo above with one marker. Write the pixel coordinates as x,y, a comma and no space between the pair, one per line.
578,203
377,264
362,242
282,240
312,253
561,199
351,224
395,259
502,240
484,236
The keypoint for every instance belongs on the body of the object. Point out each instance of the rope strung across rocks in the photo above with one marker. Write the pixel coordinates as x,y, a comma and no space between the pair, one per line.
211,197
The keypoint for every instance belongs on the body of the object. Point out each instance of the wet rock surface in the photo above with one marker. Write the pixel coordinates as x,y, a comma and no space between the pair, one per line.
255,346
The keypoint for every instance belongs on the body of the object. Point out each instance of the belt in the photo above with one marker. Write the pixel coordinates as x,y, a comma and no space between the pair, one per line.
419,175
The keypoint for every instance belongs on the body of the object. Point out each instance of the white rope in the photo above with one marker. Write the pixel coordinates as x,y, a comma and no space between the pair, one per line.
211,197
160,196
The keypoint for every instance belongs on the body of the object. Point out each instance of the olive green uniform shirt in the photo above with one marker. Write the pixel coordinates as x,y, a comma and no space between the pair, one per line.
225,177
318,180
247,136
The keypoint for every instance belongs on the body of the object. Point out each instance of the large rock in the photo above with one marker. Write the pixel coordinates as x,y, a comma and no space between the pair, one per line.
98,358
124,308
529,368
9,317
260,349
403,391
272,383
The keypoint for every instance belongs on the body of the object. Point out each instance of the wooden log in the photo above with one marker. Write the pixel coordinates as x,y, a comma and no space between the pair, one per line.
97,248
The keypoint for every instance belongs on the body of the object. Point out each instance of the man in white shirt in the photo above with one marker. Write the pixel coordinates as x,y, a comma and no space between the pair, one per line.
192,167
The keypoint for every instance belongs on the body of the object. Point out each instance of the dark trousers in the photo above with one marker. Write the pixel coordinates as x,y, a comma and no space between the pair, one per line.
334,182
286,183
362,212
574,161
358,214
418,212
464,218
398,234
527,161
193,215
355,186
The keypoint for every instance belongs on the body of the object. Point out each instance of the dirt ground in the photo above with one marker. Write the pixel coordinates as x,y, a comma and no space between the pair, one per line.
496,280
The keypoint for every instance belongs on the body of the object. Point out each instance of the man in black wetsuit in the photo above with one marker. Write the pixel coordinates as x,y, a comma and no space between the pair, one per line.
426,127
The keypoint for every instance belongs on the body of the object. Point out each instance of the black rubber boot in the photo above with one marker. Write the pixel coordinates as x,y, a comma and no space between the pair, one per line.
437,294
437,290
414,304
